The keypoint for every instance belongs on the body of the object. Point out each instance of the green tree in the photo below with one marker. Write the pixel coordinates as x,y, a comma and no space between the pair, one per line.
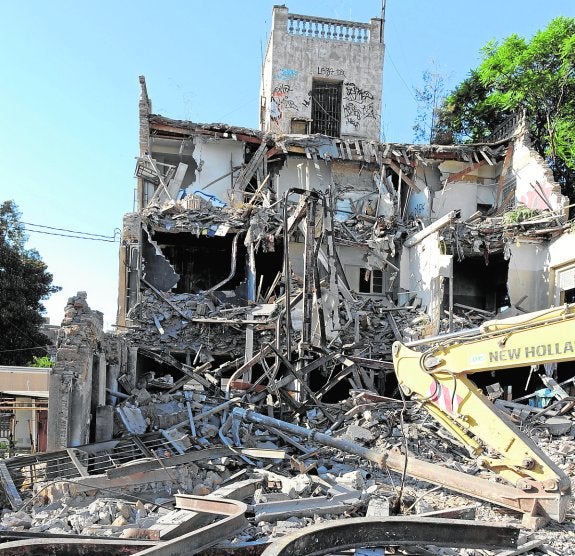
534,76
43,361
24,284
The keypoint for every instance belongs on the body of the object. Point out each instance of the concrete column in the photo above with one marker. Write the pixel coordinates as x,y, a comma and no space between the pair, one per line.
279,19
104,423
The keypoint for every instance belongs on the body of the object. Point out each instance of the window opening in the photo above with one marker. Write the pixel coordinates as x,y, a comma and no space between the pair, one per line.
371,281
326,108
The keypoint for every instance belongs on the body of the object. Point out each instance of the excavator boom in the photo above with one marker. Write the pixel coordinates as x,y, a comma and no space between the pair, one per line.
437,376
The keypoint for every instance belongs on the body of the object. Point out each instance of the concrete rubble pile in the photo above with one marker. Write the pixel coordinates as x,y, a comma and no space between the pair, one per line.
284,361
201,436
291,482
217,408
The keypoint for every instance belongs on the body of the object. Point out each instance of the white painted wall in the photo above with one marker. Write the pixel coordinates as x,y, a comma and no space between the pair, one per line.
457,195
418,205
24,419
208,159
214,158
439,197
421,270
528,275
561,266
303,173
534,271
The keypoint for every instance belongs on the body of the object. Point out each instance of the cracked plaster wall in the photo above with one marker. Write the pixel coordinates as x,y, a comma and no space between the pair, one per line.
464,196
303,173
157,270
529,168
439,197
214,158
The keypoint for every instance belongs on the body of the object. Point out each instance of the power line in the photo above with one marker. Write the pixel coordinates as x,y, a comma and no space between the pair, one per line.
25,334
23,349
72,236
72,233
399,74
65,230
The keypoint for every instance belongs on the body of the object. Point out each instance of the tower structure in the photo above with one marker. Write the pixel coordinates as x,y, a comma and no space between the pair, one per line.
322,76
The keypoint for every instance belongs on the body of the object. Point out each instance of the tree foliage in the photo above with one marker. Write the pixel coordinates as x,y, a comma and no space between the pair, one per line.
44,362
24,284
534,76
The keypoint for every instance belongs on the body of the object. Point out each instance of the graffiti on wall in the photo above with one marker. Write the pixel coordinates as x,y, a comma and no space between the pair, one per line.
330,72
352,114
281,101
357,94
359,104
286,74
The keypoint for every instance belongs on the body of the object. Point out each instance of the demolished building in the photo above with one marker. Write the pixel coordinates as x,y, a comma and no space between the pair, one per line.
234,226
274,268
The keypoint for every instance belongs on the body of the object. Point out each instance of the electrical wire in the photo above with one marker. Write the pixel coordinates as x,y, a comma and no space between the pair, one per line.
406,447
71,236
76,233
66,230
399,74
22,349
27,336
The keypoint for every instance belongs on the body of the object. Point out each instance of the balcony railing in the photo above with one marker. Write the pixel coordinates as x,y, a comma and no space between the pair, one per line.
330,29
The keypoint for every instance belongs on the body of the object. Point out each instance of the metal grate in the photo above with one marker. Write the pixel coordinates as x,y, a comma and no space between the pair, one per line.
507,200
94,458
326,108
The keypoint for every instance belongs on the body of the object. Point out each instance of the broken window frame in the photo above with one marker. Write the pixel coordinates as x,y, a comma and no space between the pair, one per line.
377,281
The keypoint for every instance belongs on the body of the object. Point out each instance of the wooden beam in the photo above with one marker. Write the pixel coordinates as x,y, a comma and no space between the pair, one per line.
187,131
10,488
402,175
457,175
434,227
504,169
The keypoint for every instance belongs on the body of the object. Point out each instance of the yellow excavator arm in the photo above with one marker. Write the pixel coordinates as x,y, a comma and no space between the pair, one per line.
437,377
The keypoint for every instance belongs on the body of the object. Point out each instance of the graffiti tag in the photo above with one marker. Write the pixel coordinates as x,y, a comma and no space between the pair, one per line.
357,94
287,73
328,72
352,114
281,90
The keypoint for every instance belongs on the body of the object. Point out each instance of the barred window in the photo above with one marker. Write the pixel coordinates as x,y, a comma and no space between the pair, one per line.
326,107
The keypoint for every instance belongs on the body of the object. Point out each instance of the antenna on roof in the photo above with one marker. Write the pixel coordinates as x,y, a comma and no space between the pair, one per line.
383,2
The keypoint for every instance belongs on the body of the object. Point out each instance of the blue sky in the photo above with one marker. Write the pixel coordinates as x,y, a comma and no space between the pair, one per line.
69,96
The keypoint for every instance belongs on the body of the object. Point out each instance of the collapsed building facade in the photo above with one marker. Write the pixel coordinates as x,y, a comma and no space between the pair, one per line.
276,267
310,237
